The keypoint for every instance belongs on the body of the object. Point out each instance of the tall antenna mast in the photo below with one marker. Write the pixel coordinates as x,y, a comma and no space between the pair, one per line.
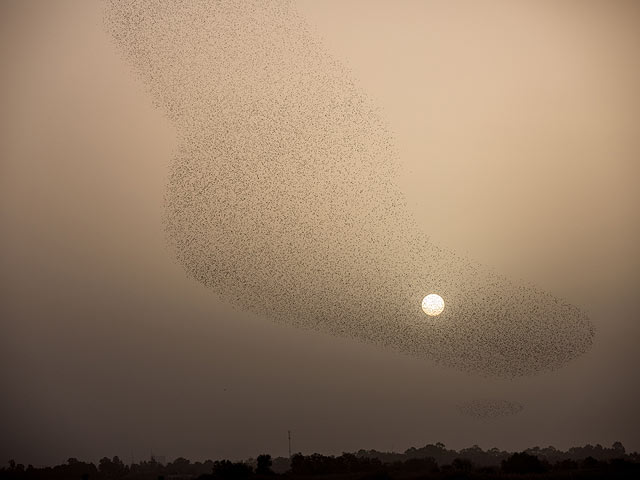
289,432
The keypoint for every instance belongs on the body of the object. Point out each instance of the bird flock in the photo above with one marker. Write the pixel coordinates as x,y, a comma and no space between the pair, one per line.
282,196
489,409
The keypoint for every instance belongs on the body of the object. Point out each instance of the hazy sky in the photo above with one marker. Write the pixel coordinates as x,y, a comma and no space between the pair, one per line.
526,113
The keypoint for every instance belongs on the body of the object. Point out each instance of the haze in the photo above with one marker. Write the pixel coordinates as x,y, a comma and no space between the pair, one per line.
526,115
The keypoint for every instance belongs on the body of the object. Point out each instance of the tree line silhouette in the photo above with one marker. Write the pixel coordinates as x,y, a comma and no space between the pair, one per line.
430,461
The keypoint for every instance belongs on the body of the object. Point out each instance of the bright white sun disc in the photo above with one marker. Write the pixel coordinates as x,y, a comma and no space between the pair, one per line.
433,304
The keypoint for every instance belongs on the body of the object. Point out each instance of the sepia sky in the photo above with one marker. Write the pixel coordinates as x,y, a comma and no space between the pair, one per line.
516,125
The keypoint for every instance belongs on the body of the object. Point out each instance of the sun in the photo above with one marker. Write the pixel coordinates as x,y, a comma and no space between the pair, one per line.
433,304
